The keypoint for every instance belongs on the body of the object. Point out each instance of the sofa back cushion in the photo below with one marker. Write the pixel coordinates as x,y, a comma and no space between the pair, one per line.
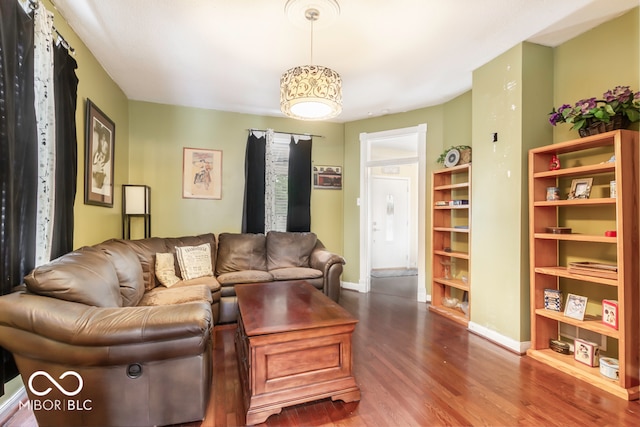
239,252
85,276
128,269
146,250
286,250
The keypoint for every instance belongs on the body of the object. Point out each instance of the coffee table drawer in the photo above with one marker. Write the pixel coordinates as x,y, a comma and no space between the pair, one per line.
286,365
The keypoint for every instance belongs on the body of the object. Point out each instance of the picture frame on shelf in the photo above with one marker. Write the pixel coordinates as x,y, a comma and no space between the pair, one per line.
580,188
553,299
586,352
201,174
610,313
575,307
100,135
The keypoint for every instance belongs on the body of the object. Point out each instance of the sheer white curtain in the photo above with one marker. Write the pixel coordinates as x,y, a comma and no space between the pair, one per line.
45,116
269,184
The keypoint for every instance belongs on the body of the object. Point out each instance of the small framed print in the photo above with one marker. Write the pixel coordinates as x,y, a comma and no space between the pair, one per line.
586,352
201,174
553,299
327,177
610,313
575,307
580,188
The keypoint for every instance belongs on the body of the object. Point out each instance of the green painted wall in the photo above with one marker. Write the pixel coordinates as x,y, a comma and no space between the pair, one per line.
94,224
511,95
158,134
598,60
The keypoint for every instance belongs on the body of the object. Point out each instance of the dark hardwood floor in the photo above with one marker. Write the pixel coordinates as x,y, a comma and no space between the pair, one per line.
417,369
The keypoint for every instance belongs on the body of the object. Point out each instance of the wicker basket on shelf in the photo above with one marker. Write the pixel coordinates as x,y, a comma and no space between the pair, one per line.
618,121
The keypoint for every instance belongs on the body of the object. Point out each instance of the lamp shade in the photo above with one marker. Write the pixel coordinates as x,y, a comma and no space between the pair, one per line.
311,92
136,199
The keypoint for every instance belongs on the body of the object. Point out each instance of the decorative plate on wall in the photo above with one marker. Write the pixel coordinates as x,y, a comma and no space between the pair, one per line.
452,158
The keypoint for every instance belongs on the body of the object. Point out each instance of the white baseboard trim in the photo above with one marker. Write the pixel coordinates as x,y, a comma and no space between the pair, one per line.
503,341
11,403
422,295
352,286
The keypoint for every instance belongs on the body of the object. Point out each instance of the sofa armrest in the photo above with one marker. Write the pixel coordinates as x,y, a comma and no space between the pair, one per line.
82,325
322,259
331,266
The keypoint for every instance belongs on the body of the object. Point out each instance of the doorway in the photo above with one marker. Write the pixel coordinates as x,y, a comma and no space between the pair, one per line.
390,243
392,209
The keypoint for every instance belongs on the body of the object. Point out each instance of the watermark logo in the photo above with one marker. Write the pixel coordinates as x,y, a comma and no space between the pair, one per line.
56,404
55,383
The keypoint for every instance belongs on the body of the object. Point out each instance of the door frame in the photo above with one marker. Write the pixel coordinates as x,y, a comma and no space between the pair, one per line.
420,131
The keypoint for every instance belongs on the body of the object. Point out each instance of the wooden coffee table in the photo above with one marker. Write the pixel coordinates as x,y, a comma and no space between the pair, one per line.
293,345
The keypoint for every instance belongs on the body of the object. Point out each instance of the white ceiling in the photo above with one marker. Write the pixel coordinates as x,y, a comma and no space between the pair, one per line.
393,55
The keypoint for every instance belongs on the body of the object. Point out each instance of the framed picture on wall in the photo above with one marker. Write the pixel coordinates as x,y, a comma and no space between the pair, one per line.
201,174
100,134
327,177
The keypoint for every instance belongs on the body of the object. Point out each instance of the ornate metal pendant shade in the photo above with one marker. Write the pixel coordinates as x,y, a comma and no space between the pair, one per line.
311,92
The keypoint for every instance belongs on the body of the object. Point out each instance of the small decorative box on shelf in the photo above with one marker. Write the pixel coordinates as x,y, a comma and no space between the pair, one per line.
559,230
586,352
610,368
560,346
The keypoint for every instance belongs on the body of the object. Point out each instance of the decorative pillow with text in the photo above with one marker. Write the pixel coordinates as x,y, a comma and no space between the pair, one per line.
194,261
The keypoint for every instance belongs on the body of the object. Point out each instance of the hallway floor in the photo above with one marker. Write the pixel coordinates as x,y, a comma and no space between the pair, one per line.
401,286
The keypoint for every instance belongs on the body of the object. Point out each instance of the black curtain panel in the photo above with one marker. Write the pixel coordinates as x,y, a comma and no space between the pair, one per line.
65,89
254,173
299,206
18,155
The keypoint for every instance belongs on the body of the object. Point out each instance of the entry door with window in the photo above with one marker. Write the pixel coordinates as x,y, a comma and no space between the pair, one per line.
389,222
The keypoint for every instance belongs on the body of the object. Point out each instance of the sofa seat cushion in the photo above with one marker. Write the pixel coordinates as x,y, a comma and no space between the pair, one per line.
247,276
286,249
209,281
295,273
85,276
176,295
240,252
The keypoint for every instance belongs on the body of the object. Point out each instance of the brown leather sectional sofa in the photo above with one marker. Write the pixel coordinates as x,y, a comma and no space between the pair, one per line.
99,341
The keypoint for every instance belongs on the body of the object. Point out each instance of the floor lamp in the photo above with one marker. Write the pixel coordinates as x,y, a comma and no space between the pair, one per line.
136,203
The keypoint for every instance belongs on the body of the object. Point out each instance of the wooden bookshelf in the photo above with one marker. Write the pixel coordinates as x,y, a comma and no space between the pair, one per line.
450,241
549,253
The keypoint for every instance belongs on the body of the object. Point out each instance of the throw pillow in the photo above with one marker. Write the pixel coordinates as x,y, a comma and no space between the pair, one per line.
194,261
165,271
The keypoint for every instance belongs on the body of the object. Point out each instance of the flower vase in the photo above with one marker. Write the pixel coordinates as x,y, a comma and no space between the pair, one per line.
594,127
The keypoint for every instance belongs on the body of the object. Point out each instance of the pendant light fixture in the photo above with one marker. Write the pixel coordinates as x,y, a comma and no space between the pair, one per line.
311,92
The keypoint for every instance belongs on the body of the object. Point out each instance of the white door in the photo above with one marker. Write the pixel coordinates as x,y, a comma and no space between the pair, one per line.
389,222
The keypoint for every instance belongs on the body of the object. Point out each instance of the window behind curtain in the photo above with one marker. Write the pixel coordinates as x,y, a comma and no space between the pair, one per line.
280,153
277,183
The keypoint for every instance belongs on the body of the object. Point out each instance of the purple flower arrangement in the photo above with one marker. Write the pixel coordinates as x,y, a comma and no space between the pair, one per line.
619,101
